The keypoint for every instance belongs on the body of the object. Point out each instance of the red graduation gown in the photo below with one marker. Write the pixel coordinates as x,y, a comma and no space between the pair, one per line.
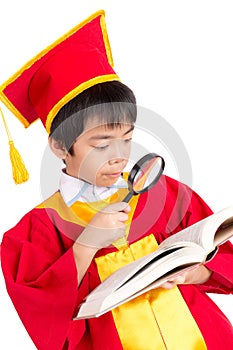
41,275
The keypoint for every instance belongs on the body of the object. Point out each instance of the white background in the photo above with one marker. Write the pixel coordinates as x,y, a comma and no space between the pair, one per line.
177,57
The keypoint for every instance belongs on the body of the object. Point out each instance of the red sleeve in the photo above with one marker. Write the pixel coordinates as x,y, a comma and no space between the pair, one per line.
41,279
221,280
186,208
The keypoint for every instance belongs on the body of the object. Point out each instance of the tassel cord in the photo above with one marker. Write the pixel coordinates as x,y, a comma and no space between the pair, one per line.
19,171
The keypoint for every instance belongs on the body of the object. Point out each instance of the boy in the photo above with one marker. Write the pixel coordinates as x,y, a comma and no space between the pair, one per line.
64,247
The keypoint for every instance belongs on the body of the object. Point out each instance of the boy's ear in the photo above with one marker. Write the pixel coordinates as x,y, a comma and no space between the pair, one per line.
58,148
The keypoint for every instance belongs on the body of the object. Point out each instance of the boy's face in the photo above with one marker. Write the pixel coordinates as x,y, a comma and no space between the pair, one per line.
100,153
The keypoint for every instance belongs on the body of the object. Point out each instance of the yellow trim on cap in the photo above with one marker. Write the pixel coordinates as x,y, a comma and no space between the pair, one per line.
80,88
14,110
9,104
106,41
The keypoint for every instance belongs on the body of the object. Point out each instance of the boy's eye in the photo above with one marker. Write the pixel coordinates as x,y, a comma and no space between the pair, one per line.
101,147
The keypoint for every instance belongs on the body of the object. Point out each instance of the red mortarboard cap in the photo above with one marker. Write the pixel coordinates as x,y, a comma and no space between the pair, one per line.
75,62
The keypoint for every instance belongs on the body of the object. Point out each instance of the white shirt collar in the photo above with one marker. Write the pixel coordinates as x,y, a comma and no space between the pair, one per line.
73,189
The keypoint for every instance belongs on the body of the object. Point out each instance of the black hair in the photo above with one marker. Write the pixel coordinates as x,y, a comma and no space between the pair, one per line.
112,102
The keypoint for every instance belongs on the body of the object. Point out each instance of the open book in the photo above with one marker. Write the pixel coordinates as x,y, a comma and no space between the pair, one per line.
184,250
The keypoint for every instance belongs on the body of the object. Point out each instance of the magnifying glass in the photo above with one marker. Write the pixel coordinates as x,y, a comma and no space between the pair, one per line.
144,174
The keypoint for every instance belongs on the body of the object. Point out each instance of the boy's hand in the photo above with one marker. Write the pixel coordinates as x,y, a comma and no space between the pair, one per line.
106,226
196,275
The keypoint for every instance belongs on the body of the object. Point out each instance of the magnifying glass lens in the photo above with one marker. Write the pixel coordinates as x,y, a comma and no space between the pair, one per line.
144,175
147,174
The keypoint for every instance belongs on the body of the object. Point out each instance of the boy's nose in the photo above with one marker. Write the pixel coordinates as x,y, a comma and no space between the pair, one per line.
117,153
115,160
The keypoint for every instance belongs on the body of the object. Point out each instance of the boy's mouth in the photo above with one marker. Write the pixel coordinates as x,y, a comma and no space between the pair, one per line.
114,175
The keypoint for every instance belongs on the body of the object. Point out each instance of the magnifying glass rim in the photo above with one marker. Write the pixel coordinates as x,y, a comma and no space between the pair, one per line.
137,167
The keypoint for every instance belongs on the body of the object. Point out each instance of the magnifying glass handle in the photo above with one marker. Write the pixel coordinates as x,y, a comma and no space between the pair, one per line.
128,197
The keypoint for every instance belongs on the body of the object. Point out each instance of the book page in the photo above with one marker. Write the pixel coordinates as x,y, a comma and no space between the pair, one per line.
118,278
153,285
104,298
129,271
158,268
192,233
224,232
219,228
203,232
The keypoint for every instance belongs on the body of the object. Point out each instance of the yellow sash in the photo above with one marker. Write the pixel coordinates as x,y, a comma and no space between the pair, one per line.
156,320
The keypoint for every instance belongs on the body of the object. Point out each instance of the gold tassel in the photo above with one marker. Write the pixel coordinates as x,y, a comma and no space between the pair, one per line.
19,171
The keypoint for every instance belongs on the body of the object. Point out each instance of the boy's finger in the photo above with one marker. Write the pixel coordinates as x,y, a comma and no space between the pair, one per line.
120,206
